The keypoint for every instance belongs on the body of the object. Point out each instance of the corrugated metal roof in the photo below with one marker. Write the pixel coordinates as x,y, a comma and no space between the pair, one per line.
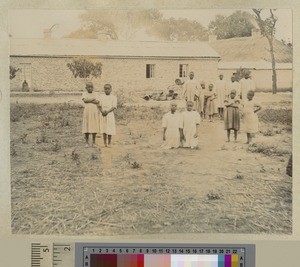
91,47
259,65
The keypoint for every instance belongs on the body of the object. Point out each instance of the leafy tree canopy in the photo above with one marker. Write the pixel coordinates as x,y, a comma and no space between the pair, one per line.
238,24
115,24
85,68
180,29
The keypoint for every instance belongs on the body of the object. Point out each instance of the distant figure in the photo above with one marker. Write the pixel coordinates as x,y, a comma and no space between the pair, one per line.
247,84
25,87
191,91
211,105
232,115
107,104
222,93
90,122
235,85
191,122
172,125
250,117
202,99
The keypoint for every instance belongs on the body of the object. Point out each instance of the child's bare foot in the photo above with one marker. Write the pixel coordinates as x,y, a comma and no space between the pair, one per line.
86,145
94,145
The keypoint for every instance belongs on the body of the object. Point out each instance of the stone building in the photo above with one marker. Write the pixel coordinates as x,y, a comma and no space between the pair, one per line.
130,66
253,53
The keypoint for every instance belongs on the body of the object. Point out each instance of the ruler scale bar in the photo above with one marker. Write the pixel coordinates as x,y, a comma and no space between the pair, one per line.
142,255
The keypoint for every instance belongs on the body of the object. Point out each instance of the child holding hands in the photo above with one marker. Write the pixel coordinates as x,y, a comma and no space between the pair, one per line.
191,122
107,105
90,122
172,125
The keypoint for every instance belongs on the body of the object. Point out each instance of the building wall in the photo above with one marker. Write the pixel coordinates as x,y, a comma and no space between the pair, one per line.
126,74
263,78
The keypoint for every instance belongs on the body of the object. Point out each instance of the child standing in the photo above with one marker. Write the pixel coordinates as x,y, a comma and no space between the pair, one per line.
107,105
90,122
211,105
172,125
250,117
232,115
191,121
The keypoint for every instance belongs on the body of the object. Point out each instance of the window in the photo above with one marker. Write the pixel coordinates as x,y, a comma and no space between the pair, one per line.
150,70
183,70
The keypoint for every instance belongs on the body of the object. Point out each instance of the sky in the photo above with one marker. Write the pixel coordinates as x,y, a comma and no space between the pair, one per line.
31,23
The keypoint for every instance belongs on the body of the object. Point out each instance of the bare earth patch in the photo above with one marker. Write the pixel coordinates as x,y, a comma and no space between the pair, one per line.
135,187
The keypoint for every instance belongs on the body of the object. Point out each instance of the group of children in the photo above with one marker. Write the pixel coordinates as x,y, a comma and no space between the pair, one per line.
182,129
98,114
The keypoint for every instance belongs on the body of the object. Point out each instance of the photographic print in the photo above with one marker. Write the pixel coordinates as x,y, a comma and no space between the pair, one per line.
151,121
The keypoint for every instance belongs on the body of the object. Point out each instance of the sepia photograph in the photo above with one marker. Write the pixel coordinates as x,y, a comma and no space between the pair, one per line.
151,121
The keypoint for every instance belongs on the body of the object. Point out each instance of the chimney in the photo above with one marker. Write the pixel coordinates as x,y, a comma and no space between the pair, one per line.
47,34
212,38
255,33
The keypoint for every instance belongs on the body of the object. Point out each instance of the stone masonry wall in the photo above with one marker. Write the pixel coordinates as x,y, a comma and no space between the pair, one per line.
52,74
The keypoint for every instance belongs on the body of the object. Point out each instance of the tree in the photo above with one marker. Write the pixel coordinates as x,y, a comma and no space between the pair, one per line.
238,24
84,68
267,28
179,30
115,24
12,72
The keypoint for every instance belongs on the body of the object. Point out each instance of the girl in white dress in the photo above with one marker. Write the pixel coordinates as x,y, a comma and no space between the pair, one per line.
191,121
107,105
172,125
90,122
250,117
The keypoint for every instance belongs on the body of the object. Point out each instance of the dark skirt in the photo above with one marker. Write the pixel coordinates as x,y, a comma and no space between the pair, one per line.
232,119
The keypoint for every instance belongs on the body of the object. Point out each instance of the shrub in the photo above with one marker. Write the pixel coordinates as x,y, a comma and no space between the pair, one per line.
268,150
281,116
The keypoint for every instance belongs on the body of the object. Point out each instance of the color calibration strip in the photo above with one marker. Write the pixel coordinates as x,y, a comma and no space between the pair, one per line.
164,255
163,260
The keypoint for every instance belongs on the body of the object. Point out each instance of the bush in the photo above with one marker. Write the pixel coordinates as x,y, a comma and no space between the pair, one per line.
268,150
278,116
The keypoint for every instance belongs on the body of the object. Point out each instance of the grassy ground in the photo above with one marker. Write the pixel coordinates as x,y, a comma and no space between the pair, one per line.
135,187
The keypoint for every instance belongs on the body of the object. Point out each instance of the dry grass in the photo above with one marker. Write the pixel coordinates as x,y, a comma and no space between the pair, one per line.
60,187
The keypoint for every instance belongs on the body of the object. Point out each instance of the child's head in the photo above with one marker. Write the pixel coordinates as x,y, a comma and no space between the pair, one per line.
107,89
191,75
189,105
89,87
202,85
247,74
250,95
210,87
173,106
221,76
232,94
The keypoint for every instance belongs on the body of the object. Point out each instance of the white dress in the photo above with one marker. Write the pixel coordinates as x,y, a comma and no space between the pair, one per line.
221,90
246,85
190,91
190,120
90,121
235,86
173,122
250,118
107,123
